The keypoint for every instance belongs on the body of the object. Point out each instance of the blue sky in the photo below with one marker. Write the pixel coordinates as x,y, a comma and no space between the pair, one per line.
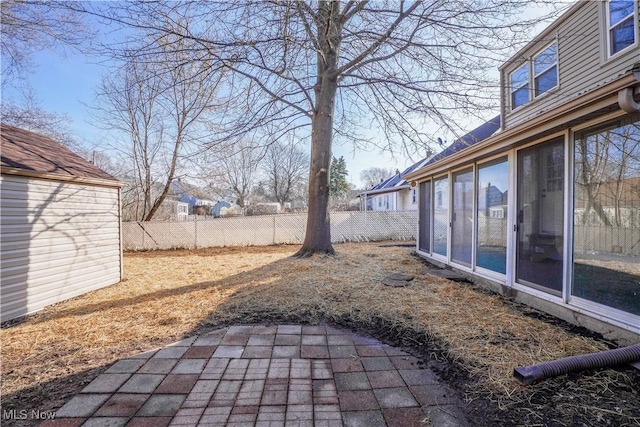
66,84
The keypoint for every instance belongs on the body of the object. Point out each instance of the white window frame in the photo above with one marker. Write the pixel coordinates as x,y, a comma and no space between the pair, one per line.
513,89
608,28
534,76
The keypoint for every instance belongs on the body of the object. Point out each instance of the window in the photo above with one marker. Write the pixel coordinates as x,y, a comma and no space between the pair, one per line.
621,25
543,77
520,86
606,215
545,70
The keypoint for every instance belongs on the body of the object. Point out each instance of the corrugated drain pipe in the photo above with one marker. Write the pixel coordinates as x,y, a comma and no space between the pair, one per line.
619,356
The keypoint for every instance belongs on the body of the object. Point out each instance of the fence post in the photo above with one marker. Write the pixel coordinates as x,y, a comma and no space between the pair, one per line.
195,231
274,229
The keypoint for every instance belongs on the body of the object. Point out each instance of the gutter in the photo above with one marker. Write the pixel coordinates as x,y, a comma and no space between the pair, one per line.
550,119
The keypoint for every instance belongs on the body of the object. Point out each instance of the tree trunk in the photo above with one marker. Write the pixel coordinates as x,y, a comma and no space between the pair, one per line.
317,238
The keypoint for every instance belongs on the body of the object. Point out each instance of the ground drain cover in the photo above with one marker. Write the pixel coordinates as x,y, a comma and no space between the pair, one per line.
397,280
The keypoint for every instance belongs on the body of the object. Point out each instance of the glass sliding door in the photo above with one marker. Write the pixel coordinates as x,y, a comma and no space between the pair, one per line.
424,221
440,215
540,235
462,217
492,187
606,225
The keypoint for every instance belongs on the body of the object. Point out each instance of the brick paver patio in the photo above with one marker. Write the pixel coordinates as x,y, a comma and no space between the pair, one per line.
283,375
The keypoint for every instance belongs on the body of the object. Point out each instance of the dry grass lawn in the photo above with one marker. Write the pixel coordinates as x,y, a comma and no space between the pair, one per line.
173,294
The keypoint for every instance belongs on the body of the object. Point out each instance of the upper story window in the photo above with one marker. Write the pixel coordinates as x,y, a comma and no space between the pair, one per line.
545,70
520,86
622,25
535,77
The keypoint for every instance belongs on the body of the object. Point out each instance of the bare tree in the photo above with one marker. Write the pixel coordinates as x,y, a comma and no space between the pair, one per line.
375,175
30,26
285,168
162,107
238,167
342,68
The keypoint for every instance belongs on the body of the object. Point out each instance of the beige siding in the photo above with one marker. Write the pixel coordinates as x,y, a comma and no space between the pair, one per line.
581,63
59,240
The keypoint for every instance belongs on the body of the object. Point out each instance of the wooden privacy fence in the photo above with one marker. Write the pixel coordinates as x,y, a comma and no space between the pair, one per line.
204,232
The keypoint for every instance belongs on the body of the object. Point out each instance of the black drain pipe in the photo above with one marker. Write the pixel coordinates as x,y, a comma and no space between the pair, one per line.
619,356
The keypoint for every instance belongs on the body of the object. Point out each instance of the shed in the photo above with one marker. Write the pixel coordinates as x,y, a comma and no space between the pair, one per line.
60,224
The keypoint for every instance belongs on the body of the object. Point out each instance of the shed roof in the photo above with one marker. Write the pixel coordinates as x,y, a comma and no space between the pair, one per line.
29,153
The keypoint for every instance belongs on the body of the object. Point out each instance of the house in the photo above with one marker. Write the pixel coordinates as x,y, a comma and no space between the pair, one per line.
60,224
547,209
392,194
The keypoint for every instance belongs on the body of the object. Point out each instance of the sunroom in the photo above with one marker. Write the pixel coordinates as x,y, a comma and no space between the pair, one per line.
549,215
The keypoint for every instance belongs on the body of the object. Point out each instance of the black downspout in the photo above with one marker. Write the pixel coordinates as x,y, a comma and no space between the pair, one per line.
532,374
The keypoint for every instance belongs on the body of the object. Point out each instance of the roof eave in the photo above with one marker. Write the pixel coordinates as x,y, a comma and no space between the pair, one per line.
6,170
545,119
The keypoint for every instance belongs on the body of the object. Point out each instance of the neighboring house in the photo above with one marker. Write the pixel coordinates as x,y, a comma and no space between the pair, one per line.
60,224
547,208
392,194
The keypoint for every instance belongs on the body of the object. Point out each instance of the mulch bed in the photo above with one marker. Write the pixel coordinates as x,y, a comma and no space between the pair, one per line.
471,337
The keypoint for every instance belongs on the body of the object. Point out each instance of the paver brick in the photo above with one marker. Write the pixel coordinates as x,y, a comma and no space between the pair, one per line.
239,330
321,369
264,330
200,352
106,383
377,363
158,366
313,340
432,394
357,400
106,422
286,351
257,352
397,397
82,405
229,351
285,339
352,381
314,352
122,405
235,340
126,366
290,329
170,353
339,340
363,419
418,376
177,383
314,330
405,417
370,351
385,379
162,405
207,340
405,362
346,365
141,383
342,351
149,422
63,422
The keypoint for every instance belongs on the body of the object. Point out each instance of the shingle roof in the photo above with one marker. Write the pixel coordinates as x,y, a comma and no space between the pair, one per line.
31,152
480,133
